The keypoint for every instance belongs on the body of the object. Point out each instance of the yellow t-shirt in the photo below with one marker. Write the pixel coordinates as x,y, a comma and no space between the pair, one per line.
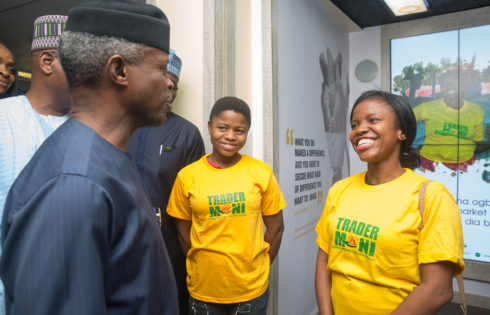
228,261
448,130
375,246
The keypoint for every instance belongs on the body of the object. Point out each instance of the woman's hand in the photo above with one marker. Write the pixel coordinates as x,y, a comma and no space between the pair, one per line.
184,234
274,225
323,284
434,291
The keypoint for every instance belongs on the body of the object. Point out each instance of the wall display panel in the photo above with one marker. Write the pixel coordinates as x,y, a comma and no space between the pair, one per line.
475,82
474,204
416,62
446,79
442,172
312,123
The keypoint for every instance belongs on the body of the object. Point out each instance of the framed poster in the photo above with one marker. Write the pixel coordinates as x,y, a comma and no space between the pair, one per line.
445,77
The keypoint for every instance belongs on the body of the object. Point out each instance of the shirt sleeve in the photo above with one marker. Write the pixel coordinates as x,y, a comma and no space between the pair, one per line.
272,198
323,239
55,249
7,173
441,237
178,203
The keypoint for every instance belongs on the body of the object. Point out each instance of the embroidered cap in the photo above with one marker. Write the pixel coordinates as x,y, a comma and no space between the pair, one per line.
135,22
47,31
174,64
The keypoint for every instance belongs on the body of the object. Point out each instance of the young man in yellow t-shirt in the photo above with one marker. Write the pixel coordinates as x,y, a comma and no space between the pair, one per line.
454,127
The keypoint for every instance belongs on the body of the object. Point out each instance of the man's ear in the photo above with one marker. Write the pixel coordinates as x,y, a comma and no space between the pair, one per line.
47,59
117,69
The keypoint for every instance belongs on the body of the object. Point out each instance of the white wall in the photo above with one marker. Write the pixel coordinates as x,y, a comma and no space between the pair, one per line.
363,45
186,38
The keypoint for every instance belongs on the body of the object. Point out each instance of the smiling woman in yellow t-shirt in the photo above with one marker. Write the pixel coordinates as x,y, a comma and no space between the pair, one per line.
374,257
220,203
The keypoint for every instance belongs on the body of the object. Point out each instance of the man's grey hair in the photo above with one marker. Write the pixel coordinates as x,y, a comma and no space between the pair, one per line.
84,56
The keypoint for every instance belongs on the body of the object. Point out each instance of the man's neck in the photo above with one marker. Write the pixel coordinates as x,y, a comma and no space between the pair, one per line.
453,102
104,115
45,106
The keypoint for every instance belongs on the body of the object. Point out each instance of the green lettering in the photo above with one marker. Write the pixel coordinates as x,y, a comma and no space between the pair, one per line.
216,200
210,198
363,245
242,196
353,226
235,197
243,207
463,131
229,198
374,233
368,229
447,127
214,211
367,246
339,238
345,226
372,248
340,222
235,208
360,228
222,199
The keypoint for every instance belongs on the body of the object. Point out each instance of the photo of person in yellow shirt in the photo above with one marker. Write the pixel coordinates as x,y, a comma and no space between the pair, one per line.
454,128
220,204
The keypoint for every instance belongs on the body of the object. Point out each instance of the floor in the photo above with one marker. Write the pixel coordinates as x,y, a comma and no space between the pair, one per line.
454,309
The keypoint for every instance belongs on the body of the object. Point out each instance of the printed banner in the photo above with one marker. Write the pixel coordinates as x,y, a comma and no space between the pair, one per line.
448,86
313,97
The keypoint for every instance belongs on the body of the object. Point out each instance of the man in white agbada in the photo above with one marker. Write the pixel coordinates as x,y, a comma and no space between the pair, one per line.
27,120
